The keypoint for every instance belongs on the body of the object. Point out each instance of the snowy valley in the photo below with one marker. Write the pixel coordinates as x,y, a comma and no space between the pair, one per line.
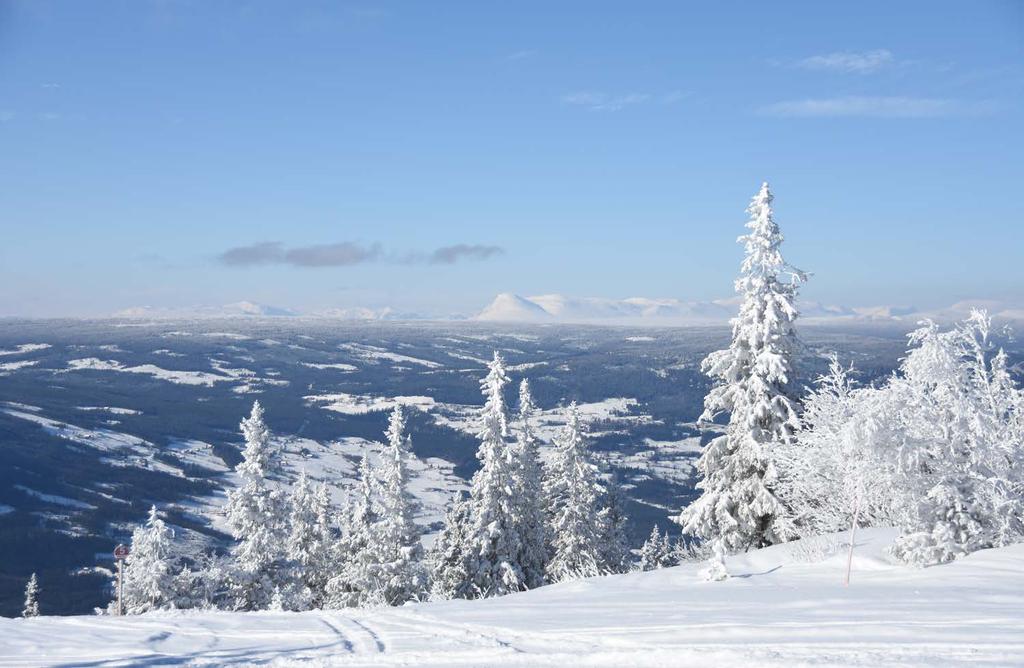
516,532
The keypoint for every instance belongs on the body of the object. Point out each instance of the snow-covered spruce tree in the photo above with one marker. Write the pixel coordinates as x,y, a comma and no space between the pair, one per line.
656,552
309,544
149,578
571,493
349,586
396,572
31,607
256,516
493,544
449,562
615,550
530,514
752,384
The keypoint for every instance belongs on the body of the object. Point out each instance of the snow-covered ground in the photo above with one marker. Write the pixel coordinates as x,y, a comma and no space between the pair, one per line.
784,606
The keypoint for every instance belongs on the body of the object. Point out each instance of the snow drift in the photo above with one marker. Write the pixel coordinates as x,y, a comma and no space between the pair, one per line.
783,605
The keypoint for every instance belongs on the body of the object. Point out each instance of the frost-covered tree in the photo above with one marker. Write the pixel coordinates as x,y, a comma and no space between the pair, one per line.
656,551
206,584
752,380
350,586
529,492
832,474
149,578
615,550
936,450
965,445
309,545
571,492
493,544
31,607
396,572
448,559
256,516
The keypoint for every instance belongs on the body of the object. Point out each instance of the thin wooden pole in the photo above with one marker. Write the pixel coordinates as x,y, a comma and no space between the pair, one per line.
120,587
853,538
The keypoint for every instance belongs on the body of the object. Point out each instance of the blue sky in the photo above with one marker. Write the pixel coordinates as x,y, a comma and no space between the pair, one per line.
434,154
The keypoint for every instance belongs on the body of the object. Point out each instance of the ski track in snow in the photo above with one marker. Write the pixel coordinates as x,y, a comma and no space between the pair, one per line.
777,610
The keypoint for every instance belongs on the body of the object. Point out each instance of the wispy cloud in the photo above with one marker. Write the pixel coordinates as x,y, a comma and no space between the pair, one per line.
877,107
523,54
598,101
601,101
6,116
346,254
859,62
452,254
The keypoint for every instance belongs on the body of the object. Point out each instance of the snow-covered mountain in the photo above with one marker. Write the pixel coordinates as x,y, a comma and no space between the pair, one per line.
556,308
510,307
234,310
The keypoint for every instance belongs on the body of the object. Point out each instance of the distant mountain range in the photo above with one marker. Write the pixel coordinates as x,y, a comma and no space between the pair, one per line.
251,309
556,308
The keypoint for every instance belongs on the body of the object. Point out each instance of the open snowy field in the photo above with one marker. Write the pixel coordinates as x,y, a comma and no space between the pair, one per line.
784,605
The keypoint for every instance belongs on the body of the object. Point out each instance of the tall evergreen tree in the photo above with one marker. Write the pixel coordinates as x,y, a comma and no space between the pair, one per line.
396,571
148,574
31,607
350,586
752,384
572,495
615,552
449,561
493,543
529,491
309,543
255,514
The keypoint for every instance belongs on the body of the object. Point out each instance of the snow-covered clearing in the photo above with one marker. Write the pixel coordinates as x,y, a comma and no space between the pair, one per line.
113,410
7,367
356,404
24,348
613,412
776,610
196,453
123,449
667,460
340,366
375,353
179,377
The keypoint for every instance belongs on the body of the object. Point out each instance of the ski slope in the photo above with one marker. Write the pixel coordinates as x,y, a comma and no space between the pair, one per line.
784,606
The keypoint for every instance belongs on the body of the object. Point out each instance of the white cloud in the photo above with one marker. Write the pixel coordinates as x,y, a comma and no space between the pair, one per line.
597,101
860,62
877,107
